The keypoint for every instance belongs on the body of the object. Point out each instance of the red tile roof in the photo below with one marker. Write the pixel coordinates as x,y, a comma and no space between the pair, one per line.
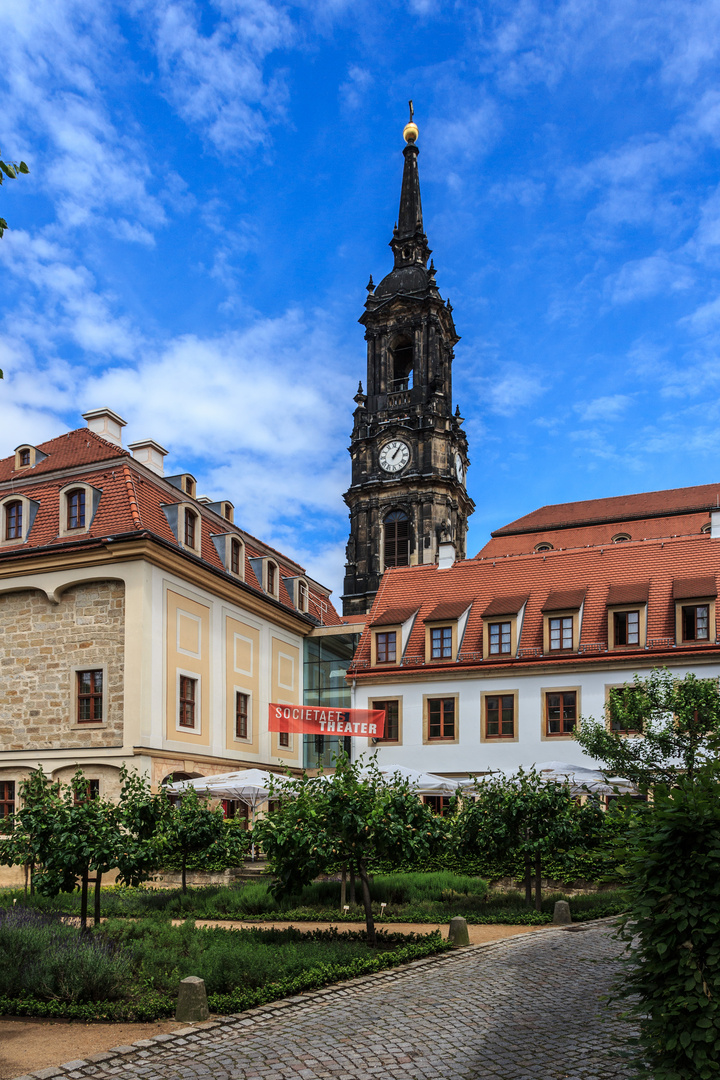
560,599
391,616
75,448
447,609
131,502
619,508
504,605
629,592
596,574
691,588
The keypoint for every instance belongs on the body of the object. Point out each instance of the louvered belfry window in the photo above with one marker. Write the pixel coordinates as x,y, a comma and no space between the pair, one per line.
397,539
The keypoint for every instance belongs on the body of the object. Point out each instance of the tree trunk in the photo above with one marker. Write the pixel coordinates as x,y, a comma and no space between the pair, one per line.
84,901
343,888
32,877
367,904
96,913
184,876
538,880
353,899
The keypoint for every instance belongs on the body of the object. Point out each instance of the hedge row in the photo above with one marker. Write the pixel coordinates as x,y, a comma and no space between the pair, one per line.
151,1005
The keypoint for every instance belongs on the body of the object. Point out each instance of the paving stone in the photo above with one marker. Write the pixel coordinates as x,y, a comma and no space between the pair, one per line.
525,1008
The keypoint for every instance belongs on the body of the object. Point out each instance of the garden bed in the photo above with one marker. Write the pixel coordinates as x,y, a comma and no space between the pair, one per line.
129,970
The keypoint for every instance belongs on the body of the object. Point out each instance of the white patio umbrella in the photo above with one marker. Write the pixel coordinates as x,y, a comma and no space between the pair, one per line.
423,783
582,780
249,786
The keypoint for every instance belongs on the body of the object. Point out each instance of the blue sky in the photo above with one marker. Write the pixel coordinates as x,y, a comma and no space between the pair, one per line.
212,184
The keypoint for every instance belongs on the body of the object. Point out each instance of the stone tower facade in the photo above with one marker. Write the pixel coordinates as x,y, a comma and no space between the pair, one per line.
408,448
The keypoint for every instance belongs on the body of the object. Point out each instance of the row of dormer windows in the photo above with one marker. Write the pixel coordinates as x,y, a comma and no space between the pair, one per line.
627,629
77,509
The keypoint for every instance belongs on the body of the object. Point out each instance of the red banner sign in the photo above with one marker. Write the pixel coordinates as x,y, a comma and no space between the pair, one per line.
322,720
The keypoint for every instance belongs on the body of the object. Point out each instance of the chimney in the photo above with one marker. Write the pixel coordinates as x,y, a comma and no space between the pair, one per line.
446,555
149,453
715,524
106,423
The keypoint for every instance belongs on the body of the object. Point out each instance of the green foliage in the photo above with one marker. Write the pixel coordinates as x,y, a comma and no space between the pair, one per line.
42,956
10,169
673,929
191,828
227,851
256,966
525,817
679,722
348,818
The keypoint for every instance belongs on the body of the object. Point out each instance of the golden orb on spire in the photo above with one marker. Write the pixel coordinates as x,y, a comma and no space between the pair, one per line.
410,131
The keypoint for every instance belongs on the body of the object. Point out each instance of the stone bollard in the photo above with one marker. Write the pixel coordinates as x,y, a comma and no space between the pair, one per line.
192,1000
458,932
561,914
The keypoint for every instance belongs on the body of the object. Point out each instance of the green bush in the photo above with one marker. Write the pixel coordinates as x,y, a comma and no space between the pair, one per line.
40,955
673,930
312,960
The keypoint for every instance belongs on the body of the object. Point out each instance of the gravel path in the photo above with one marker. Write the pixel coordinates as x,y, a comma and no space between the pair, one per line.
527,1008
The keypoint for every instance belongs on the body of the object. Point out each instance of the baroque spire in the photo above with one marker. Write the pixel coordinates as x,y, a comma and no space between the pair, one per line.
409,242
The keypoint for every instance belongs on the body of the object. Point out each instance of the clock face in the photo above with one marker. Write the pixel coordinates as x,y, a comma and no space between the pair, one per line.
459,471
394,456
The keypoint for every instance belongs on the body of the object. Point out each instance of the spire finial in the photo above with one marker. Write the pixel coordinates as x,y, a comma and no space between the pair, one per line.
370,285
410,131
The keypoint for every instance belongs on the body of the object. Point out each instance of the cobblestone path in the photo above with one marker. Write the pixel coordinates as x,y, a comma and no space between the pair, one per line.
526,1008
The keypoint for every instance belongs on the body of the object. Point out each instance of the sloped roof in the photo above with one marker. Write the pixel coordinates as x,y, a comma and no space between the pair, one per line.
647,568
131,502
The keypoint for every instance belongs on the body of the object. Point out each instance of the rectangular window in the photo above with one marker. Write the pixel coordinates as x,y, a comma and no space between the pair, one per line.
626,627
386,647
439,804
13,521
241,715
500,717
284,738
92,791
561,633
441,718
188,697
89,697
392,719
695,622
24,457
500,638
235,557
189,529
271,578
561,712
76,509
441,642
7,800
620,711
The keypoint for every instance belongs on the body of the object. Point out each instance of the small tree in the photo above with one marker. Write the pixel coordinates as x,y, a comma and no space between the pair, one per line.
524,815
673,928
679,721
352,818
141,816
190,827
31,826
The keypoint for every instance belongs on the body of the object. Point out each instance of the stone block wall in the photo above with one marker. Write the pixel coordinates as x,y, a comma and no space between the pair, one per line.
41,646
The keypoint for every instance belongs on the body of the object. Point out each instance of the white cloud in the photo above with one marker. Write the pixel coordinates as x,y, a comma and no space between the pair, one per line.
641,278
353,92
510,389
603,408
216,80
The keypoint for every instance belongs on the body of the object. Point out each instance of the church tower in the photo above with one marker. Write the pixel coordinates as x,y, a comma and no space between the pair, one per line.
408,449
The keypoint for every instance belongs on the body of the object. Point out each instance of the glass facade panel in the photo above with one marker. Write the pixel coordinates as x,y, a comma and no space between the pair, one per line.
326,660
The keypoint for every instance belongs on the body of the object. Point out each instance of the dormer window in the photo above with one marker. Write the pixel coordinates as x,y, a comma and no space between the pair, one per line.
444,629
27,456
272,578
13,520
75,503
620,538
16,517
543,547
627,615
695,609
390,634
303,595
441,642
502,625
561,621
235,557
228,511
190,486
190,527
